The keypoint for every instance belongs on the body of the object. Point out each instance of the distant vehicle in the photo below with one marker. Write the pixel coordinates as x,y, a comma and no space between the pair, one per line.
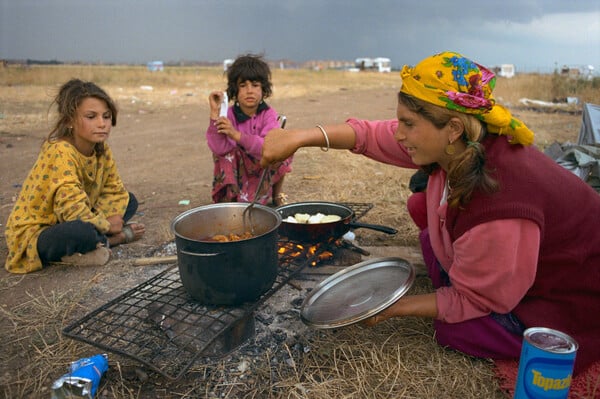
154,66
504,70
379,64
578,71
507,70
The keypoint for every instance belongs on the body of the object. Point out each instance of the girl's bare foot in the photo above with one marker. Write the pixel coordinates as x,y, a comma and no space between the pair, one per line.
97,257
131,232
280,199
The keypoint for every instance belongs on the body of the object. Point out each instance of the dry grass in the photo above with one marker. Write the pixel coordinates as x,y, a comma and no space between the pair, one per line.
353,363
397,359
32,340
546,87
287,83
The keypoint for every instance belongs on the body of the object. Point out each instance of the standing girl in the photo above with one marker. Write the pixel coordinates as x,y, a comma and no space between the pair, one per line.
236,140
73,206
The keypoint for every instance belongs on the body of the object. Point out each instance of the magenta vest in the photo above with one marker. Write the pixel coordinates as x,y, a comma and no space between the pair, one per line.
566,292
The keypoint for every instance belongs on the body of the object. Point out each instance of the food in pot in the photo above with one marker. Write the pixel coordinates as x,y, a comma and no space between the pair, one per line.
229,237
317,218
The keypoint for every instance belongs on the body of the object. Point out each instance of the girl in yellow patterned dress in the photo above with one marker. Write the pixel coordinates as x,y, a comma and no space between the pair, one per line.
73,205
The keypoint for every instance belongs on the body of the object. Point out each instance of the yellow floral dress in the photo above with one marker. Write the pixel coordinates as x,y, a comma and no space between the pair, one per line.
63,185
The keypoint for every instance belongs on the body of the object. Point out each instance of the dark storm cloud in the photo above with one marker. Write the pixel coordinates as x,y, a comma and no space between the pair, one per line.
523,32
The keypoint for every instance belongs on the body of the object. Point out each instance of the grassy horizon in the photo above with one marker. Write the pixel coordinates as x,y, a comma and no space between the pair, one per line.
287,82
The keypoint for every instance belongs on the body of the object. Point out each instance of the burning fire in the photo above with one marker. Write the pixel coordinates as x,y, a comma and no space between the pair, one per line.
314,253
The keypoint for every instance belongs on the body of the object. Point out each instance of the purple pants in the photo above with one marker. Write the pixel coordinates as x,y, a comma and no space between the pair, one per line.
497,336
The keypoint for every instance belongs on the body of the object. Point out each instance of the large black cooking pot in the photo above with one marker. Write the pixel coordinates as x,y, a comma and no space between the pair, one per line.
321,232
226,273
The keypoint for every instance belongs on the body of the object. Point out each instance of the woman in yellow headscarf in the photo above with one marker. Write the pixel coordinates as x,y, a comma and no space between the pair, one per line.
505,247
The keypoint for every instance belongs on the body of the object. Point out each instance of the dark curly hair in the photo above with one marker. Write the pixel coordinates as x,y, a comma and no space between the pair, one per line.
250,67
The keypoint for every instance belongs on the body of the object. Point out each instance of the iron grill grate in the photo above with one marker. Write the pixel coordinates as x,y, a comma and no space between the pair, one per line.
157,324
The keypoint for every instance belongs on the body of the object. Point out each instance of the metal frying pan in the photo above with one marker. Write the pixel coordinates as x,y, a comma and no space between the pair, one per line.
321,232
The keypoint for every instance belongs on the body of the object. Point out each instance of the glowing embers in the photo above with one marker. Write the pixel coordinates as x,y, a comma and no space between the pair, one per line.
292,251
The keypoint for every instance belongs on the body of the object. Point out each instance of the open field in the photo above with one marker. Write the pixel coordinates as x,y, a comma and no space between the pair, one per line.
162,157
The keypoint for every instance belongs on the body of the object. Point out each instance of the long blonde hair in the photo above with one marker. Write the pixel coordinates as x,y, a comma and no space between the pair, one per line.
467,171
68,99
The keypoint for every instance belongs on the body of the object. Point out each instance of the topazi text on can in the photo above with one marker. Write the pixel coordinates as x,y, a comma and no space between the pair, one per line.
546,364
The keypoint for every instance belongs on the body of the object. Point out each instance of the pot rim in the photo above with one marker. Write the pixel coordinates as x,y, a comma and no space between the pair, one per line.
192,211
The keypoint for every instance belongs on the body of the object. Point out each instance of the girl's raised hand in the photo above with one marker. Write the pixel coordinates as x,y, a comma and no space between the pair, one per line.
214,101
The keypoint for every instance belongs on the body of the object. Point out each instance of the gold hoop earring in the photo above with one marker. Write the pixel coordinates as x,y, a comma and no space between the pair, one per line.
450,149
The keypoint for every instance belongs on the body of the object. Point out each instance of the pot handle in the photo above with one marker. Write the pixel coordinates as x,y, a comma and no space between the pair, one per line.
378,227
202,254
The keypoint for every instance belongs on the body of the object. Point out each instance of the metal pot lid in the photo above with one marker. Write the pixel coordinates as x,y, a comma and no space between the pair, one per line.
357,292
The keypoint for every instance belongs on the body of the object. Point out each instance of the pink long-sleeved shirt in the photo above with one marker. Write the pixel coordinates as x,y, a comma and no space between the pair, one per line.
491,266
253,131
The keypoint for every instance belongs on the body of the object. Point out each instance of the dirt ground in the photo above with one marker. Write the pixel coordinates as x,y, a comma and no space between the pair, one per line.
163,158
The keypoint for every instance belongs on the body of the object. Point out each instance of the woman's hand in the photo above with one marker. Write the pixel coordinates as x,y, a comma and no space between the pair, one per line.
423,305
392,311
279,145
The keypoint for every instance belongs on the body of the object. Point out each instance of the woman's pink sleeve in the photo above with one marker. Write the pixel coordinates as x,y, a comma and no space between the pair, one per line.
375,140
494,266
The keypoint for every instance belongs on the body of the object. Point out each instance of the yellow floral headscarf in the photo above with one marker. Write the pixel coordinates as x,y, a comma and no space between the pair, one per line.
455,82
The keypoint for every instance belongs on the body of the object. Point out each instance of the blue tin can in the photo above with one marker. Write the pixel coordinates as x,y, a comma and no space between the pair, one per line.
546,364
83,378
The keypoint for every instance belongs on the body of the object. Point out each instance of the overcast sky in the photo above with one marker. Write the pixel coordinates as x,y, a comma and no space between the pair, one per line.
535,35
